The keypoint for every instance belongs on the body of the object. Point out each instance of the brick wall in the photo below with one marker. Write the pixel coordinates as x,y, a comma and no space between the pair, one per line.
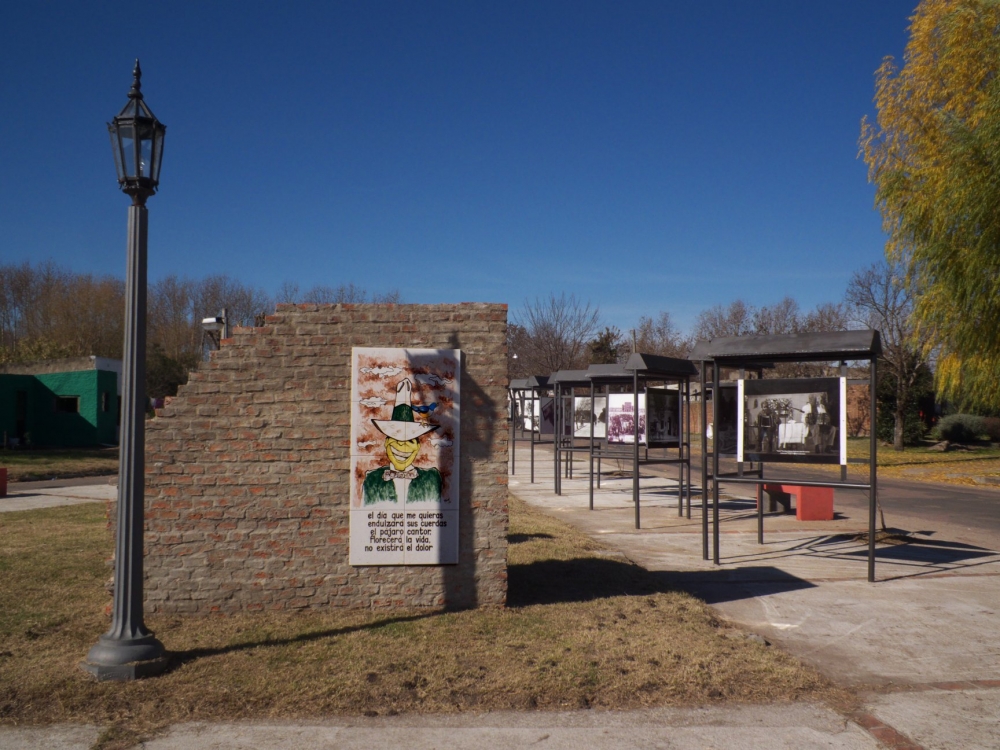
247,494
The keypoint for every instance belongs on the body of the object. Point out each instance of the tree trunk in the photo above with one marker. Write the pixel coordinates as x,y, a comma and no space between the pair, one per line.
897,431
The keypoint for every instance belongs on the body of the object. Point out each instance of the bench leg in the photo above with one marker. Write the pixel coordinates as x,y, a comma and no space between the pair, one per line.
774,497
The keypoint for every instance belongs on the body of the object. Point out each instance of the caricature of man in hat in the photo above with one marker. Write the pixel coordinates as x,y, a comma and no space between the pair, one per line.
401,480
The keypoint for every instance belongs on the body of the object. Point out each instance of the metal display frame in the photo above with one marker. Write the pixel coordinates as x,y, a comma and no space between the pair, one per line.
564,384
520,392
639,370
758,353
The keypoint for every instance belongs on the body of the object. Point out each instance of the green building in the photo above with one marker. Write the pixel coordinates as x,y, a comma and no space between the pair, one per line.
60,402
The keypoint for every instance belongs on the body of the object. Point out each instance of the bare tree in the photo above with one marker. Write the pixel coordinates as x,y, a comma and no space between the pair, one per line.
660,336
288,293
782,317
171,318
556,333
881,300
719,321
47,312
829,316
322,294
243,303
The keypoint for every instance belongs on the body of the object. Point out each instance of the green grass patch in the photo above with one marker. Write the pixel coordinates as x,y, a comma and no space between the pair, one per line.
921,454
583,629
38,464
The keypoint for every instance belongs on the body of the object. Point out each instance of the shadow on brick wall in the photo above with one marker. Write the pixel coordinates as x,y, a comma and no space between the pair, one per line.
478,410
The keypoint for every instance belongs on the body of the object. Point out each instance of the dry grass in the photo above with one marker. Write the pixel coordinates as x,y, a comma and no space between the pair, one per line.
921,464
921,454
583,630
33,465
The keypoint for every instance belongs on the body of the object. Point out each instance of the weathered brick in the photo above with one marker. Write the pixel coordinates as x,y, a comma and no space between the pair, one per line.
247,468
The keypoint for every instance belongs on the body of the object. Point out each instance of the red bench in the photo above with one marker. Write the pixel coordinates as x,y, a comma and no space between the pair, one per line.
811,503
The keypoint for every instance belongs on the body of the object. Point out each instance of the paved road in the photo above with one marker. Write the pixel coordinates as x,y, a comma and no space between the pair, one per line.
921,506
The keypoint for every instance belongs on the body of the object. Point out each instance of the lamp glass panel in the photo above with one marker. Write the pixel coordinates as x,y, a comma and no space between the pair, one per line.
126,134
116,150
145,156
157,155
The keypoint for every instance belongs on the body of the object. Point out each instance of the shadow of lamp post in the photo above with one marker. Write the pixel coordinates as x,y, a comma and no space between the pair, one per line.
128,650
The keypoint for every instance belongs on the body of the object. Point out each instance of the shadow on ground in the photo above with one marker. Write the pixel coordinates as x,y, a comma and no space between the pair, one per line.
930,551
588,578
179,658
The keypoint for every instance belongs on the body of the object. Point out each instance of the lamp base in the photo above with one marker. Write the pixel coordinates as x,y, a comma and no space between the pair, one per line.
125,672
126,658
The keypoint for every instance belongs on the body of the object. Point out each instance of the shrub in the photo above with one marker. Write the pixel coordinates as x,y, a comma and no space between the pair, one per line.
960,428
991,426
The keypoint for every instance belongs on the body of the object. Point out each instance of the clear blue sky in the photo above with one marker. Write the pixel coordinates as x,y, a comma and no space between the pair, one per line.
644,156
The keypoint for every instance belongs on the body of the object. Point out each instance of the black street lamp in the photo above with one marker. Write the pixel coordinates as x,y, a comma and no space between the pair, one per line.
129,650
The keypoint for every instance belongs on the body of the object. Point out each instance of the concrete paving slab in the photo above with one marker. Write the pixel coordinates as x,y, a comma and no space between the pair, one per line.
29,498
55,737
786,727
944,720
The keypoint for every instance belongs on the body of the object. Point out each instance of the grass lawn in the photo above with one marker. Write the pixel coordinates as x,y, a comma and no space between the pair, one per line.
969,466
582,629
921,454
921,464
32,465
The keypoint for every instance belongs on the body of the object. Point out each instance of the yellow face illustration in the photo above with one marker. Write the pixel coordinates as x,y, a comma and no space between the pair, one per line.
401,452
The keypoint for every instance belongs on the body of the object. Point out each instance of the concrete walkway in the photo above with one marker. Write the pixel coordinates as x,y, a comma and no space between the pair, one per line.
922,644
50,494
789,727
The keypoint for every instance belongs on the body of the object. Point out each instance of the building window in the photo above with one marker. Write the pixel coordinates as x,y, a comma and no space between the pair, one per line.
68,404
106,401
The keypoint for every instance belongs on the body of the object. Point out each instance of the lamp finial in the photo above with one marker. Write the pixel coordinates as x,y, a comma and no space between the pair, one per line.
135,92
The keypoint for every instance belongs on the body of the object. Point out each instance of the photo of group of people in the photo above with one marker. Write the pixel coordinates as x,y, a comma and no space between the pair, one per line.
664,416
621,418
792,420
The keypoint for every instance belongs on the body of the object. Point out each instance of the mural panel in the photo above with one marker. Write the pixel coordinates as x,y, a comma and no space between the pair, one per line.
404,456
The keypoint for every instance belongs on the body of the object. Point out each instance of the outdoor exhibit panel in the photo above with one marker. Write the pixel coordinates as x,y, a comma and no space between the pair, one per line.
404,465
799,420
254,474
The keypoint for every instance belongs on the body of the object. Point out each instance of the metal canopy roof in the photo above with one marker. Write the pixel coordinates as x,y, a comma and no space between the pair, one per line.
530,383
791,347
569,377
612,373
653,365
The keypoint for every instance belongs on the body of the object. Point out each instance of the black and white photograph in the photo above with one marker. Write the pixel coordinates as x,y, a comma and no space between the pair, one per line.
728,418
546,421
796,420
663,416
621,418
583,416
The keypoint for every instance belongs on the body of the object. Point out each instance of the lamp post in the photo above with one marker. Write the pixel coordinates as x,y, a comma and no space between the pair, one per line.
217,327
128,650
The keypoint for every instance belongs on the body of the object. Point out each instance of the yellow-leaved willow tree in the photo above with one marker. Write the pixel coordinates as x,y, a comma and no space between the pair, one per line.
934,157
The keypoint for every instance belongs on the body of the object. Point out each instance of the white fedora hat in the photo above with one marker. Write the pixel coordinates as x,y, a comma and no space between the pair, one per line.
402,426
